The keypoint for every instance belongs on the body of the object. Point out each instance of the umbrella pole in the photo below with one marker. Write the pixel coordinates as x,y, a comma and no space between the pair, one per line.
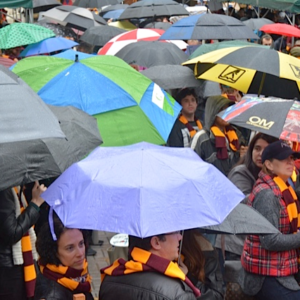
261,84
180,247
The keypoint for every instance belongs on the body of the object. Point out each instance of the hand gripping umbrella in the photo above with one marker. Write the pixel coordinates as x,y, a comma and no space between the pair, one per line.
142,190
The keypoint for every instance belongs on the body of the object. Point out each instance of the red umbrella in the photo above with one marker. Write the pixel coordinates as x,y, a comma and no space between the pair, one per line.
6,62
281,29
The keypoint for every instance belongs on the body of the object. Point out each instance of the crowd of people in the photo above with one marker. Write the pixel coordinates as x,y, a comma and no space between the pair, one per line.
42,260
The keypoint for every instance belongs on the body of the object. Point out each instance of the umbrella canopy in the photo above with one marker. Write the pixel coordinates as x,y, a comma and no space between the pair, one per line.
243,219
44,5
73,16
126,113
26,117
27,161
113,14
48,46
112,7
208,26
281,29
70,54
94,3
171,76
153,8
268,72
145,54
256,24
159,25
273,116
100,35
19,34
59,30
123,25
142,190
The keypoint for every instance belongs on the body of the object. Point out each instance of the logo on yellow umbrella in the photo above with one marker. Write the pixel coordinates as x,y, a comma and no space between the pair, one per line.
296,70
231,74
259,122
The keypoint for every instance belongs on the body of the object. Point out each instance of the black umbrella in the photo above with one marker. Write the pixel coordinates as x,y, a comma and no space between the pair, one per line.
113,7
73,16
153,8
158,25
94,3
255,24
154,53
58,30
44,5
26,161
100,35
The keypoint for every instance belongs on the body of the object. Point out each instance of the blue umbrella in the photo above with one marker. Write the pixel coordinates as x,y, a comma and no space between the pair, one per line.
48,46
142,190
113,14
71,54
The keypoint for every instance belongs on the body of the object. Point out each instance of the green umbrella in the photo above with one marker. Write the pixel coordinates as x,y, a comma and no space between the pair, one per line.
19,34
206,48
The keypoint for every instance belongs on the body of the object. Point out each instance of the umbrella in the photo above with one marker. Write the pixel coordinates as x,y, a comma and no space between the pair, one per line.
104,86
281,29
113,14
44,5
27,161
208,26
24,116
100,35
6,62
142,190
123,25
73,16
153,8
159,25
59,30
243,219
94,3
273,116
171,76
268,72
70,54
112,7
206,48
256,24
145,54
48,46
19,34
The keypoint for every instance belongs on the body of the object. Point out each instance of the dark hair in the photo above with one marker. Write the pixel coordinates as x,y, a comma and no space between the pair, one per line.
85,47
45,245
185,92
247,159
144,244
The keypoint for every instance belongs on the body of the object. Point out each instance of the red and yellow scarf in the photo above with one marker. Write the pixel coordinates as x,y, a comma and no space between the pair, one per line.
191,129
144,261
220,140
72,279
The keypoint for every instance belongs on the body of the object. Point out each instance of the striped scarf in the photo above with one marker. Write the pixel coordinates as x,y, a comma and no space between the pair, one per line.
78,281
145,261
191,129
23,252
220,139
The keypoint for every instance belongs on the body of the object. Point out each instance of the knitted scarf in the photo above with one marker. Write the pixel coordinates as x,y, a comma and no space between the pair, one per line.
191,129
78,281
145,261
220,139
24,251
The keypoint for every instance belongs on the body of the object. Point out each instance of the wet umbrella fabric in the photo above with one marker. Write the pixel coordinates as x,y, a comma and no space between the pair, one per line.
153,8
159,25
142,190
48,46
208,26
126,112
145,54
59,30
268,72
27,161
73,16
273,116
113,14
44,5
113,7
19,34
256,24
281,29
94,3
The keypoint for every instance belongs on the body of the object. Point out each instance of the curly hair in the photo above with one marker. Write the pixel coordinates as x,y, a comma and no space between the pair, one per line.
46,247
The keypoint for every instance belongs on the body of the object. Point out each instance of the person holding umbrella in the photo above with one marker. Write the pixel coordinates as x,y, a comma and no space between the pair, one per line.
270,262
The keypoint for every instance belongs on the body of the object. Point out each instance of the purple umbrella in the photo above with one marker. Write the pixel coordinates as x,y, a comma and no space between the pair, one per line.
142,190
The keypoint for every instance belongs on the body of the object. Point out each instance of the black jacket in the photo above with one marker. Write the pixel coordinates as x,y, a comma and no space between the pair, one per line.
51,290
144,286
11,228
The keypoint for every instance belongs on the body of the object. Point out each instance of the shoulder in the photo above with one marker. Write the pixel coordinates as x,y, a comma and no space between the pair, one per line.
200,137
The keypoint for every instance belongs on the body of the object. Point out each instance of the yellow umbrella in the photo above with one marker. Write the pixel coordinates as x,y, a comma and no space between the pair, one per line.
255,70
123,25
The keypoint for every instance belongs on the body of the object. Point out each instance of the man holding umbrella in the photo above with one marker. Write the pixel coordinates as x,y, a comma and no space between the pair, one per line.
149,271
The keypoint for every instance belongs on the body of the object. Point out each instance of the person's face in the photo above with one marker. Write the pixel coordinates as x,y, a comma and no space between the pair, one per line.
282,168
193,42
71,249
257,151
266,42
170,247
189,105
